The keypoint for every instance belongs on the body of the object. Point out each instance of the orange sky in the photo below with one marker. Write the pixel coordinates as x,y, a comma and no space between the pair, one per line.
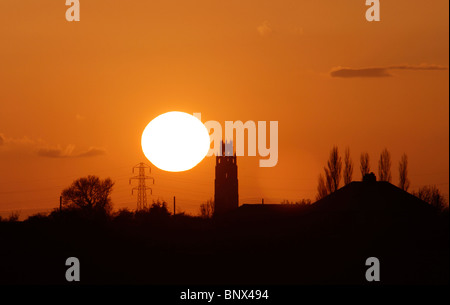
90,88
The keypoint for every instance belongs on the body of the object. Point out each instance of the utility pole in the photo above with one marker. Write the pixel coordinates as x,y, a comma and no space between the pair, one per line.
60,203
174,211
142,188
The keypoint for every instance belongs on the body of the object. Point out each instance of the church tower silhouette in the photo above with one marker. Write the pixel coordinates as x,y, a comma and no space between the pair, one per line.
226,195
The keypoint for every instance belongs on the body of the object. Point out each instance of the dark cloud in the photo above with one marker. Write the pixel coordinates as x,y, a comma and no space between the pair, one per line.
367,72
2,139
379,71
420,67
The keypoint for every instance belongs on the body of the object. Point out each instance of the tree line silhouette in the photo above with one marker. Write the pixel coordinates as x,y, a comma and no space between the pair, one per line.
91,196
289,243
329,182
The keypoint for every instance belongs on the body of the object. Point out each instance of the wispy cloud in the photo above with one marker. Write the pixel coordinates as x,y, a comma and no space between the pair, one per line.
43,149
68,152
56,152
11,142
93,152
80,117
264,29
345,72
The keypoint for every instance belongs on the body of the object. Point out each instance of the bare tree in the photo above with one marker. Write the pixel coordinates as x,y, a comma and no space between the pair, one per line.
403,173
321,188
89,193
348,167
431,195
333,170
364,164
207,209
330,183
384,166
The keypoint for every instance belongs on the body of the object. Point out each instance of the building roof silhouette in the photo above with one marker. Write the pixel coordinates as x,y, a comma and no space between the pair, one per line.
372,196
357,198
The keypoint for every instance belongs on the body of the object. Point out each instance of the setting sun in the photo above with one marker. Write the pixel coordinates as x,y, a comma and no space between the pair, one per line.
175,141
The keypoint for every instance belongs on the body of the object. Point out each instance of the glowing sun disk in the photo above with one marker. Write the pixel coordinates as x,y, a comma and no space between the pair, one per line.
175,141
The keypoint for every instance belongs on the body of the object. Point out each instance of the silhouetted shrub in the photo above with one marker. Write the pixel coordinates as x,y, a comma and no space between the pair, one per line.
159,209
13,217
123,216
37,218
76,214
433,196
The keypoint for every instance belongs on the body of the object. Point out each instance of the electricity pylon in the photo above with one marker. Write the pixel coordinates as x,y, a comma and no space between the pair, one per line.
141,188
